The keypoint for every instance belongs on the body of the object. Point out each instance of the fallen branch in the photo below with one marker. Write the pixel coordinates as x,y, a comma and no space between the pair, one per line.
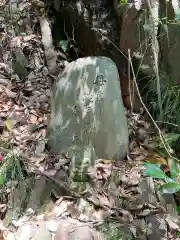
50,53
60,184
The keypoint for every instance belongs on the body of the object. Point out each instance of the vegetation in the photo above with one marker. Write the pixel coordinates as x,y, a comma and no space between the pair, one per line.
170,177
12,169
113,232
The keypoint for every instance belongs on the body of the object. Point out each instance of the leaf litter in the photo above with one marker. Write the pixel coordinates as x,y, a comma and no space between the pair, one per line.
118,195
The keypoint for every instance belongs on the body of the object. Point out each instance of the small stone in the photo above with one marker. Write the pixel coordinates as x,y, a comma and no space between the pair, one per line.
46,106
43,233
43,98
48,93
36,92
38,105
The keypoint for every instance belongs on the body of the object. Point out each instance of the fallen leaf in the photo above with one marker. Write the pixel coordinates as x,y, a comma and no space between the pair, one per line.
126,216
1,235
156,159
9,123
33,118
74,212
61,162
40,148
105,161
8,236
2,228
172,224
144,213
104,200
9,93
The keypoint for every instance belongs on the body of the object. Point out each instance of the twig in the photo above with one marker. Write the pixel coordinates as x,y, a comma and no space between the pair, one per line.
129,89
175,125
58,183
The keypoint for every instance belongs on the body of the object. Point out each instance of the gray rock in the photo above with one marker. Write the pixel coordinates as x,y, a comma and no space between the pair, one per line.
43,98
81,233
42,233
87,108
156,227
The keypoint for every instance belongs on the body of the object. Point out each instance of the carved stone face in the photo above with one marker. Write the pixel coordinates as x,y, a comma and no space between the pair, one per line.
87,108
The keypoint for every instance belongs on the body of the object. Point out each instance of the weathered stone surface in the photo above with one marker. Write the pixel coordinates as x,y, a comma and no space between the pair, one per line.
87,109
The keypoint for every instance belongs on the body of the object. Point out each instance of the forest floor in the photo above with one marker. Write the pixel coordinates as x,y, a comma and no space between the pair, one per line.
35,202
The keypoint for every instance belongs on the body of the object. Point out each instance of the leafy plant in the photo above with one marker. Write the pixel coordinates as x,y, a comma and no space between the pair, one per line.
12,169
63,44
171,139
172,182
123,2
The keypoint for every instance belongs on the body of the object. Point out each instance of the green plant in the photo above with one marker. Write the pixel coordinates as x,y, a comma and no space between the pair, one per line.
63,44
171,183
122,2
154,169
113,232
12,169
170,98
178,209
172,139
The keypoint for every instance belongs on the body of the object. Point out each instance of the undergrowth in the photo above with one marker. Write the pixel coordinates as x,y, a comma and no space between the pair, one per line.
164,167
112,232
170,103
12,169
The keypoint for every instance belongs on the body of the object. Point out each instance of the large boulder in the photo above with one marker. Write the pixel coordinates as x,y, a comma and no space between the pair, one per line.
87,109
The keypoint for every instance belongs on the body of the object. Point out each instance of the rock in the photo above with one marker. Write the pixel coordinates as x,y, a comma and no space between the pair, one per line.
42,233
87,108
25,232
82,233
156,226
43,98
